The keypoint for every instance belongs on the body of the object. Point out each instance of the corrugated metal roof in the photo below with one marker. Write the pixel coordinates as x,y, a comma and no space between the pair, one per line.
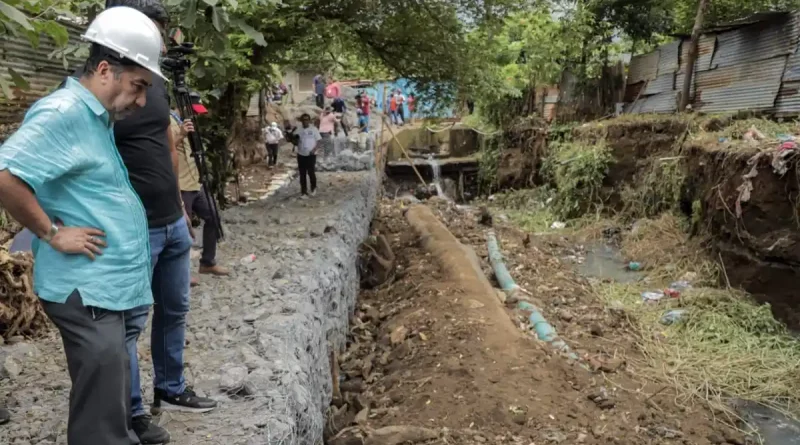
755,18
792,72
643,67
788,100
632,91
668,58
705,52
33,64
746,86
760,41
660,84
657,103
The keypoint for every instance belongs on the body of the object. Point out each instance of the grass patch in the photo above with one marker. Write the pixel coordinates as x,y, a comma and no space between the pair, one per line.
725,347
658,190
527,209
736,129
665,250
577,171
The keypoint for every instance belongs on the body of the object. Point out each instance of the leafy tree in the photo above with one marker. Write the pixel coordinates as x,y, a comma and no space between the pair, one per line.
34,19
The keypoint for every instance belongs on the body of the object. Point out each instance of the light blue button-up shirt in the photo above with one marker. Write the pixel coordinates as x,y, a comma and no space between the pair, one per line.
65,152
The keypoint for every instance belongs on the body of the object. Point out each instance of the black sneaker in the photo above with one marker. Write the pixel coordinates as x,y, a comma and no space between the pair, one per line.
5,416
188,402
148,432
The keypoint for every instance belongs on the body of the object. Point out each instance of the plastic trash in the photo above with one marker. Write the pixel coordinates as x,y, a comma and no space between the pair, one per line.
672,293
673,316
558,225
785,137
634,266
652,295
680,285
248,259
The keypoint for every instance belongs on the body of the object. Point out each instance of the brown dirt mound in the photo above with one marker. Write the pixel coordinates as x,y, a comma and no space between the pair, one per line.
419,356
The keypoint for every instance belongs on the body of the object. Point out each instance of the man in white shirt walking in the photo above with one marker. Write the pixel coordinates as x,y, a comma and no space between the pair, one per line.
307,146
272,136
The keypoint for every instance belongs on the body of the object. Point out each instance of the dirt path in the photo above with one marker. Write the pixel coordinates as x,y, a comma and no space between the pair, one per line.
422,356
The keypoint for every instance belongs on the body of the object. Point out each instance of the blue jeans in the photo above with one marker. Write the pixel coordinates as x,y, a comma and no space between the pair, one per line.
170,248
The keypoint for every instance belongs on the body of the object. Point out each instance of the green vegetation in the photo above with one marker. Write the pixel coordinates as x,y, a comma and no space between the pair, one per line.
724,347
488,162
577,171
659,188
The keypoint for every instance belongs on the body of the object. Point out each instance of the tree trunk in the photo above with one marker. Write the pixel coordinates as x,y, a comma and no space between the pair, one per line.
692,57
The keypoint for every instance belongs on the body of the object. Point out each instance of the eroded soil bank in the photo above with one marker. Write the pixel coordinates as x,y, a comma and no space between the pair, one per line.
741,192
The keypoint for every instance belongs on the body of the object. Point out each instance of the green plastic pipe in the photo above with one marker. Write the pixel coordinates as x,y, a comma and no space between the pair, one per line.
544,330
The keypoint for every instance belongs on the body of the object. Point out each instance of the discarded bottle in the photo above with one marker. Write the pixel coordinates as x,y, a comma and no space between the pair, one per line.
673,316
680,285
652,296
634,266
248,259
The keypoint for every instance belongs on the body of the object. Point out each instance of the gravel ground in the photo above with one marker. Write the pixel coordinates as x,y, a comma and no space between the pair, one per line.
258,341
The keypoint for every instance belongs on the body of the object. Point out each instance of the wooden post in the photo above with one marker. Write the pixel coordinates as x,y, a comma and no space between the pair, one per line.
692,56
410,161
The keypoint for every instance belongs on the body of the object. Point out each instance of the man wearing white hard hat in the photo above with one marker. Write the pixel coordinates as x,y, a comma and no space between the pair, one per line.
62,177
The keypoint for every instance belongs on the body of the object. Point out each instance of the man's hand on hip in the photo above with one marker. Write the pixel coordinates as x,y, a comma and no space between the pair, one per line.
78,241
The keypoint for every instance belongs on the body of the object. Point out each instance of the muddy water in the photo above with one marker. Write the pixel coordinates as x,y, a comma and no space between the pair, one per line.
606,263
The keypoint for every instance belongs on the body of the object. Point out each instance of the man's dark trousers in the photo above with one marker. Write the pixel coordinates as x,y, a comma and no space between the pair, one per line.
320,100
306,166
99,367
196,202
272,155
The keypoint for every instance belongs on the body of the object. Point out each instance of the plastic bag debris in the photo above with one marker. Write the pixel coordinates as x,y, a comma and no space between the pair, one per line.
673,316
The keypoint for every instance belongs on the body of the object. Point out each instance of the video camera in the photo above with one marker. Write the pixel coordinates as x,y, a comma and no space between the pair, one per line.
176,63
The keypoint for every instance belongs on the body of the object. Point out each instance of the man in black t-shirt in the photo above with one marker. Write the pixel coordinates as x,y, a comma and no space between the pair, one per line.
145,142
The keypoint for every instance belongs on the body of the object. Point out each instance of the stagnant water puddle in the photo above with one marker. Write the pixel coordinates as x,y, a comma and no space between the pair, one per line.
605,262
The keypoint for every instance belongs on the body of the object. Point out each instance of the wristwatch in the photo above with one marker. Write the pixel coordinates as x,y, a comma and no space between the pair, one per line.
49,235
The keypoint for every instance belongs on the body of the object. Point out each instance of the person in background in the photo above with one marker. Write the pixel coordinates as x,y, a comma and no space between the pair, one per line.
340,109
411,107
319,90
327,129
192,193
272,137
307,146
61,177
395,117
363,117
401,101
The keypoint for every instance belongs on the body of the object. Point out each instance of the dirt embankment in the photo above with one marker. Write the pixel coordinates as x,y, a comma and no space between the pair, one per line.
724,183
426,352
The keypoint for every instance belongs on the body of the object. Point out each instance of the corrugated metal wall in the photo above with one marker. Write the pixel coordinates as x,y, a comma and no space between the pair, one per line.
742,68
33,64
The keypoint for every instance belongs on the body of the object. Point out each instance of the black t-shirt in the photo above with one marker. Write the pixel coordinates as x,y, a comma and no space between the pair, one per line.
338,105
142,142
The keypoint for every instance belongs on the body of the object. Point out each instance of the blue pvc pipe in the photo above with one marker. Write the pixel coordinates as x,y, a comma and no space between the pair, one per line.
544,330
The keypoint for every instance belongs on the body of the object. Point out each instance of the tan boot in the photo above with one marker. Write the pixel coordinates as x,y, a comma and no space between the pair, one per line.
214,270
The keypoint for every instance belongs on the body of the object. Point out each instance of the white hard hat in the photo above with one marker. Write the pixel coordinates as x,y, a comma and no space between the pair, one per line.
131,34
274,124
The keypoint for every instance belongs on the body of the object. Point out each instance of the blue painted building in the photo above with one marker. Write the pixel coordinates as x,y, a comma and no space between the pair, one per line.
423,110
